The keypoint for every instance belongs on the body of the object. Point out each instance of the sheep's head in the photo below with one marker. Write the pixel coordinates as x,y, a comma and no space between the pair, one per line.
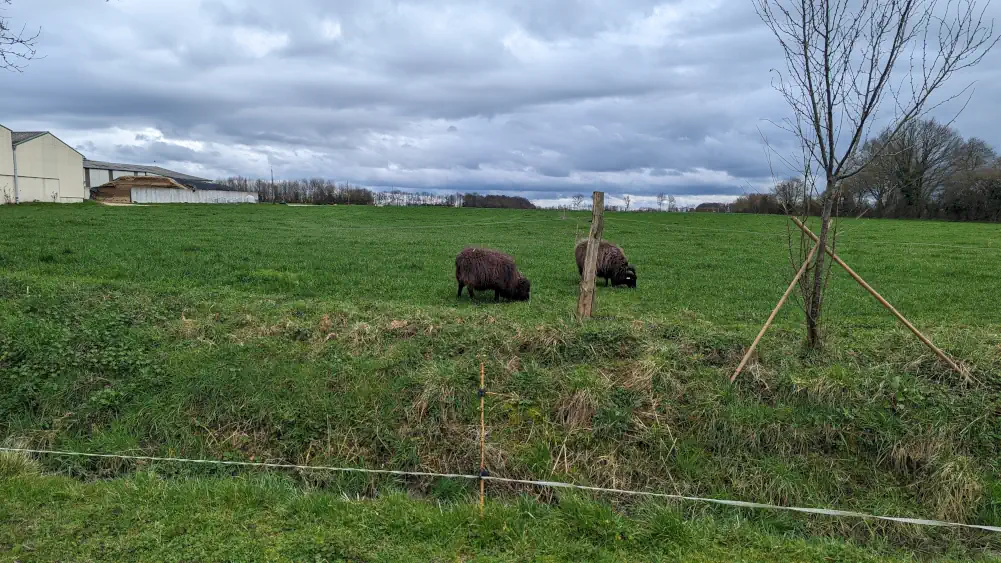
626,276
521,291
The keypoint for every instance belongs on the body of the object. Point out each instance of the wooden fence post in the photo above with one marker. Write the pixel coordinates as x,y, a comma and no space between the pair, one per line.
483,438
585,303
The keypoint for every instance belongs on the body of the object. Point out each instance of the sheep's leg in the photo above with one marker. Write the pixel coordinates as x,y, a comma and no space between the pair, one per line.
470,290
460,290
496,296
606,282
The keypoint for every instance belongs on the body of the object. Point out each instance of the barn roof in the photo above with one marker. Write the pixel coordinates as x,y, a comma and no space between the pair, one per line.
207,185
99,165
18,137
21,137
166,182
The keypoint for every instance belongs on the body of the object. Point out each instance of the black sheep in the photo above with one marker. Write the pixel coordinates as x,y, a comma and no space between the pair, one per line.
481,269
612,264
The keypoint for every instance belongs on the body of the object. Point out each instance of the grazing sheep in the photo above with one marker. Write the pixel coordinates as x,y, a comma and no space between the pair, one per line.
612,264
481,269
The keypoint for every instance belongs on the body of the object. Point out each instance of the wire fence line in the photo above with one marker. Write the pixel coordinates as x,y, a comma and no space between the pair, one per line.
527,482
757,505
258,464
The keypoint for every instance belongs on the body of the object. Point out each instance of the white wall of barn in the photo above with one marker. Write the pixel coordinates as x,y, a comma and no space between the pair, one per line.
169,195
49,170
97,177
6,166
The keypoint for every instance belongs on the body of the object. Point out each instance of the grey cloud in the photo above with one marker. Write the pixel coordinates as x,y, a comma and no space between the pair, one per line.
546,98
162,152
553,171
557,19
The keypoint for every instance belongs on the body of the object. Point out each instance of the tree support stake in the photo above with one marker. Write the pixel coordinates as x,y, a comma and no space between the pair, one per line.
938,352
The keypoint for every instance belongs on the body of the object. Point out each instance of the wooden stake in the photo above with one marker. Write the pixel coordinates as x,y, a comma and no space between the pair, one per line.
585,304
942,355
483,438
768,323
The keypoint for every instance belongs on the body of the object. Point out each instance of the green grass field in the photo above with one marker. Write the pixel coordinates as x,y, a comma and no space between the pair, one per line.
332,336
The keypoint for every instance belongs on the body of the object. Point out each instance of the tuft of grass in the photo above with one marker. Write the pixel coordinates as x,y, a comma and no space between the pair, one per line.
439,386
16,464
955,489
586,390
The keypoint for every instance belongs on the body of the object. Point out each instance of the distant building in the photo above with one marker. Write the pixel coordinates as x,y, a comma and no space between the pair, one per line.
99,173
711,207
37,166
161,189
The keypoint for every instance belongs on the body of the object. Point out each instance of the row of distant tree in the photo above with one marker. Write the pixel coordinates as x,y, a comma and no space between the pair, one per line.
318,191
928,171
314,190
665,202
501,201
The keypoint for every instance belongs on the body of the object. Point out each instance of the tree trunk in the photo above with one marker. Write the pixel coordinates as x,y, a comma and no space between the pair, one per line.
815,300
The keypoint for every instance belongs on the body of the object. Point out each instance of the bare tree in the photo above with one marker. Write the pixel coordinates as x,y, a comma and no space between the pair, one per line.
626,200
840,59
17,47
877,182
928,154
577,200
661,198
975,154
908,170
788,194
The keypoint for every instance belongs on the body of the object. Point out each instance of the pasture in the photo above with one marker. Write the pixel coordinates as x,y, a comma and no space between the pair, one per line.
333,336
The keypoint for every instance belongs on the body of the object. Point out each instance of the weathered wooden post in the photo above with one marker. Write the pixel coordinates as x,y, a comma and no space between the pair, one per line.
586,301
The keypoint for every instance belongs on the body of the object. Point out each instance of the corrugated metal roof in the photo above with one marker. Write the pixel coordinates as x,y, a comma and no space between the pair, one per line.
208,185
99,165
166,182
21,137
18,137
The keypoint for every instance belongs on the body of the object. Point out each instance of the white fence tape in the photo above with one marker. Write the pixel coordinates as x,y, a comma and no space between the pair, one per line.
745,504
553,484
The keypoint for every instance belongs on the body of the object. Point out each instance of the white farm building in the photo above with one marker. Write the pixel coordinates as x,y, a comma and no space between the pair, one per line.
37,166
151,184
99,173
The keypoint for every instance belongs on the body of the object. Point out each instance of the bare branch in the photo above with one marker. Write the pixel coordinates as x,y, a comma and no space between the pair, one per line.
842,59
17,47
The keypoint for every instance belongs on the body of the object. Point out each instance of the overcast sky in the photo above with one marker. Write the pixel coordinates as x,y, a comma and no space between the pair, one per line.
543,97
